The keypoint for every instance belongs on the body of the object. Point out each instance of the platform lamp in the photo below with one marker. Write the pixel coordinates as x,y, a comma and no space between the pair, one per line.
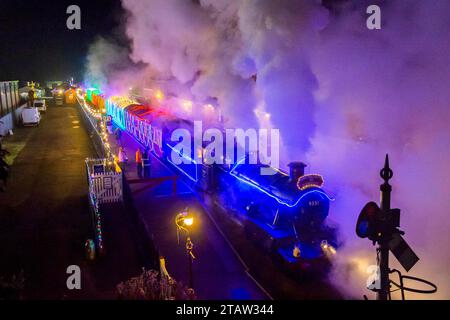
184,221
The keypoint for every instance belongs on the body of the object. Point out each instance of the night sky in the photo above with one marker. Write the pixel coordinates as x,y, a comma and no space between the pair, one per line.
36,44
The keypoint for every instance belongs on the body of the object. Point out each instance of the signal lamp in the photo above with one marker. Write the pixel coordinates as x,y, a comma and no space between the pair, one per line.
367,225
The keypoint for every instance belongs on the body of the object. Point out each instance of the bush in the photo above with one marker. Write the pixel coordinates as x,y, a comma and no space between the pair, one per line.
11,289
151,286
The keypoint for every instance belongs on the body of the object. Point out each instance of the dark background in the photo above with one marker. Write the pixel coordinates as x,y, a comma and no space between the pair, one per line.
35,43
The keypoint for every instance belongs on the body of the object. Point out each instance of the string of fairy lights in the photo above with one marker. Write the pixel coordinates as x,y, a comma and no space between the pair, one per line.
98,115
103,134
92,111
98,223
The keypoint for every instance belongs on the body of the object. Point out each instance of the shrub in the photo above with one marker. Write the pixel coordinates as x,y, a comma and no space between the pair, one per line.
11,289
151,286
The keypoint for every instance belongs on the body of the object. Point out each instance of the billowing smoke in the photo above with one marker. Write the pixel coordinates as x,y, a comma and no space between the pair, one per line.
342,96
109,67
104,59
276,36
386,91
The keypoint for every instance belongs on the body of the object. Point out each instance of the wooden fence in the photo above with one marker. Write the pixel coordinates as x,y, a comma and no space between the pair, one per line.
104,181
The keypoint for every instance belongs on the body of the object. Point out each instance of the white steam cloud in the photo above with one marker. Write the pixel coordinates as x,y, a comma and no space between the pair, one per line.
342,96
104,59
383,92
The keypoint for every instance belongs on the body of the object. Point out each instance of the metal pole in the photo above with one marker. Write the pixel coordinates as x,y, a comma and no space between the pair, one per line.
13,102
6,99
191,280
17,94
1,101
11,97
189,247
383,244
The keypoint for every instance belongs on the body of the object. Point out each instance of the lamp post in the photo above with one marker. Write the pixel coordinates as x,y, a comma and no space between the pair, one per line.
184,220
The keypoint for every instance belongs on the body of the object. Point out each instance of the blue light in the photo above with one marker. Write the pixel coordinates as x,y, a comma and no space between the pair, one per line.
119,125
240,294
256,185
187,158
116,114
363,228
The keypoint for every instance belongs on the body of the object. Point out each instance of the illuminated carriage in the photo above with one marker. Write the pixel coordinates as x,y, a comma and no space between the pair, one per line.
115,107
144,123
96,99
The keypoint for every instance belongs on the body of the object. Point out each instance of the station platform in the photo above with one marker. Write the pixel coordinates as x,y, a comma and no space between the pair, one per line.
44,214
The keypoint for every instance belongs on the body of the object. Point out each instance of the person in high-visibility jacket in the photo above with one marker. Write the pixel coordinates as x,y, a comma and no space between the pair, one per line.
139,163
146,163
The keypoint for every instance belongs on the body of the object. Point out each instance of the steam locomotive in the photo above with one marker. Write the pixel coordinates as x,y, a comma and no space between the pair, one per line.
284,213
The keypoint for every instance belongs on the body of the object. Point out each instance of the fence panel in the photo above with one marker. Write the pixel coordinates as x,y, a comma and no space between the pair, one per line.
107,186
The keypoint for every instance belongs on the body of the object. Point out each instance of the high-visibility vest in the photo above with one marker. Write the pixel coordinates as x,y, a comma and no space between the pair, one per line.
146,162
138,157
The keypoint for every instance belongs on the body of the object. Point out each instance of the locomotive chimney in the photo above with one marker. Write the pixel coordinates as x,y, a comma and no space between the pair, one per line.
297,170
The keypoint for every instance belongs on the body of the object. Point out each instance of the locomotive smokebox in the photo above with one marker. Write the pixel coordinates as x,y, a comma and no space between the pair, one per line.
297,170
